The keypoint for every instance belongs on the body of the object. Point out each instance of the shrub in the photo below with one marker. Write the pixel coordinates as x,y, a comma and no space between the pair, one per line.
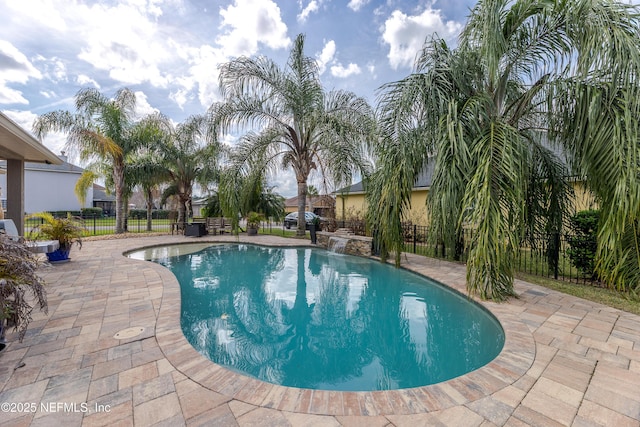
19,285
91,212
137,213
583,241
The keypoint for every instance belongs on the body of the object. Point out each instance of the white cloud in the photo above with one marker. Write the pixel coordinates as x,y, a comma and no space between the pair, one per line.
48,94
14,68
284,182
127,40
355,5
203,73
251,21
342,72
311,7
52,68
143,108
84,80
135,52
55,141
405,34
45,13
326,56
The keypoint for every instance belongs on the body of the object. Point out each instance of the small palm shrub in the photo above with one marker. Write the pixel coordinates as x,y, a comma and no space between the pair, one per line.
66,230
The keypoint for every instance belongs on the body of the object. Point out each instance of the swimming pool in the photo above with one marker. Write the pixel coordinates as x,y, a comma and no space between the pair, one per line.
310,318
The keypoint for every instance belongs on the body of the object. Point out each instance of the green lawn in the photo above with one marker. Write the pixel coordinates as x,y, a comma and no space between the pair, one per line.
622,301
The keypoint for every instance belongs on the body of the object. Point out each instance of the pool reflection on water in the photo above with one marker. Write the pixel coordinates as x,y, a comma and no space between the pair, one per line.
310,318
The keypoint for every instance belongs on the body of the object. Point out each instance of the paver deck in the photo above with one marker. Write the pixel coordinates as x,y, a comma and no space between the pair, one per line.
566,361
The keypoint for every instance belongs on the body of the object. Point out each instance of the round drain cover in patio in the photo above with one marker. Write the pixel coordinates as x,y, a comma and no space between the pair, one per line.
129,333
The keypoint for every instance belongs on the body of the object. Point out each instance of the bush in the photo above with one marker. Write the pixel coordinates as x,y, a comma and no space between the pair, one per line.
64,214
160,214
91,212
20,287
137,213
583,241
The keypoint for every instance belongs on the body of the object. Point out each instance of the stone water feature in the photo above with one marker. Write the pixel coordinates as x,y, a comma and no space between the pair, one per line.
343,241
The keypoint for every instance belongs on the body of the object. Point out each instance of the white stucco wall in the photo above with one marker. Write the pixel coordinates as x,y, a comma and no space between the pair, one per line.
49,191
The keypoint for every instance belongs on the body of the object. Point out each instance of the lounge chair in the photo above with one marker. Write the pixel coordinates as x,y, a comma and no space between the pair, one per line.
8,227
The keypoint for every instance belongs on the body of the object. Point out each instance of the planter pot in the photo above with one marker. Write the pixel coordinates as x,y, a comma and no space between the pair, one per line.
59,255
312,232
252,231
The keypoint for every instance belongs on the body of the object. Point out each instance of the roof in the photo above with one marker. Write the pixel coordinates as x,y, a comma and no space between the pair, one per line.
100,194
423,182
322,201
18,144
63,167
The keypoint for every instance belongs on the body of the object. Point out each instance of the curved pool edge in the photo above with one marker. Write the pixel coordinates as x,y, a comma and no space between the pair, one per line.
509,366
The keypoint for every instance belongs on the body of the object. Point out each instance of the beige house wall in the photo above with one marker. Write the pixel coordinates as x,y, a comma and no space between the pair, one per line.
583,198
350,206
354,205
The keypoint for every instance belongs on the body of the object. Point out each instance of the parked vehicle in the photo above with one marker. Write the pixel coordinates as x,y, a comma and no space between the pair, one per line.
291,220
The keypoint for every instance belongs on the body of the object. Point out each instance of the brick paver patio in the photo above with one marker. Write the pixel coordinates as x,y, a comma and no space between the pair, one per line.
566,361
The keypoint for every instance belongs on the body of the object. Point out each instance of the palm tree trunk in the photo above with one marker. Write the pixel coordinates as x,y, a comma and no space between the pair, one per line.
302,198
149,208
118,181
182,211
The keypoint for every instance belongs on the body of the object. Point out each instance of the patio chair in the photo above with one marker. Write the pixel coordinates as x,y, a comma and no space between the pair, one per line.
8,227
214,225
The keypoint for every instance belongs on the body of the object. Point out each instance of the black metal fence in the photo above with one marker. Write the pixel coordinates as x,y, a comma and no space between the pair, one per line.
97,225
541,255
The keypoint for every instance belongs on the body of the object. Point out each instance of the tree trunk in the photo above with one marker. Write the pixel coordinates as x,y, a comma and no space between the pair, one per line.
149,209
302,198
118,182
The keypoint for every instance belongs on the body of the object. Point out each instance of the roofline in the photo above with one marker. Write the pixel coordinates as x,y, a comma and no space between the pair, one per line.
47,156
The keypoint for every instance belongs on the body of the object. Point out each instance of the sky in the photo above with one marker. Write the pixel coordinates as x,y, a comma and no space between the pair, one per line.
168,51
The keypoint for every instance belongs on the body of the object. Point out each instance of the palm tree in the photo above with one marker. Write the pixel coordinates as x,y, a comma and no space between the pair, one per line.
144,168
101,130
190,157
529,79
301,127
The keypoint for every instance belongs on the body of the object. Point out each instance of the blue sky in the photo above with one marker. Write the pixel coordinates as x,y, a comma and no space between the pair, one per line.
168,51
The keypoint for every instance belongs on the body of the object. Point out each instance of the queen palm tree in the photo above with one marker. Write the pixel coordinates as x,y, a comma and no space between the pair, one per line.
102,130
529,79
144,168
190,157
300,125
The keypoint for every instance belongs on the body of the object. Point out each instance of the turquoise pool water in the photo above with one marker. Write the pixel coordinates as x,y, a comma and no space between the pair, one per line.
310,318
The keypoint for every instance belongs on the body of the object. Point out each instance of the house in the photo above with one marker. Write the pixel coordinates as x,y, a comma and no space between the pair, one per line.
351,201
103,200
50,187
17,146
323,205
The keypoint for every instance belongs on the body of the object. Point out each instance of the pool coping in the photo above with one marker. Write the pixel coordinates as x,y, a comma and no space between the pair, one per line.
515,359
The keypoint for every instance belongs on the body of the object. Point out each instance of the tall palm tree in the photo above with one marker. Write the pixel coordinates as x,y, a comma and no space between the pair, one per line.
528,80
191,157
300,125
101,130
144,168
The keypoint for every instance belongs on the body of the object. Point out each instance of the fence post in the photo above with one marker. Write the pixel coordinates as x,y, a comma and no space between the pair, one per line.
556,254
415,230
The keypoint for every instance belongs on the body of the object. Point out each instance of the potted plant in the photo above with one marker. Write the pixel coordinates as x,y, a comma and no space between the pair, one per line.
66,231
253,223
18,279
